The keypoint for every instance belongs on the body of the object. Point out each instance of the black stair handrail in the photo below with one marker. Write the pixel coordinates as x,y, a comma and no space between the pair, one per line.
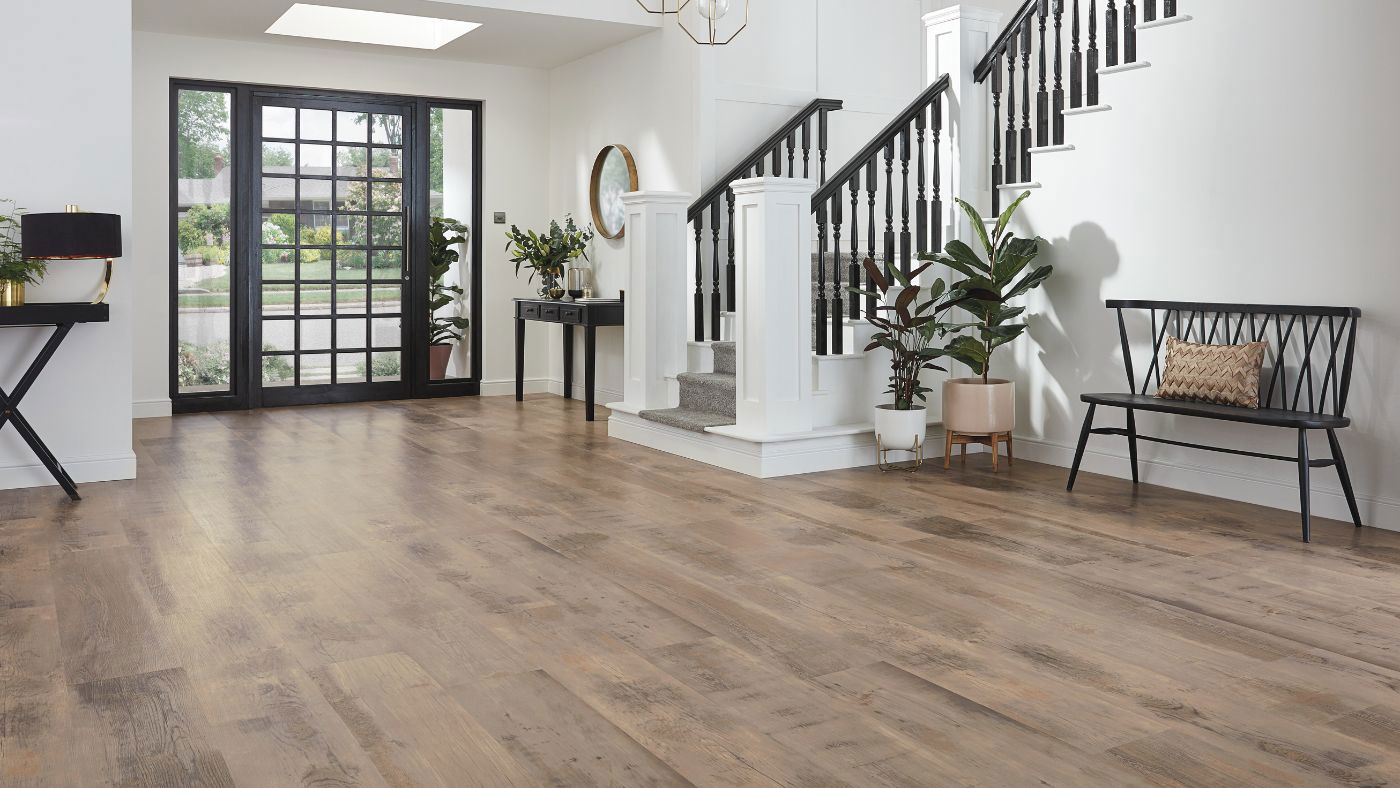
882,140
794,135
1033,42
755,160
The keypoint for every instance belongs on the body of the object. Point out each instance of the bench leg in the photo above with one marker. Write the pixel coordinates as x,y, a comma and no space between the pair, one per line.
1345,477
1083,442
1305,484
1132,443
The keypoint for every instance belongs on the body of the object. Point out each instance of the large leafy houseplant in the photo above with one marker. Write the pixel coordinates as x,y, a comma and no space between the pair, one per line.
443,235
909,331
990,286
548,254
13,266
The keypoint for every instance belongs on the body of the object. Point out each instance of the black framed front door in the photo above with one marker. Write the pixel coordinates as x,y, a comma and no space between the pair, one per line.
330,249
320,203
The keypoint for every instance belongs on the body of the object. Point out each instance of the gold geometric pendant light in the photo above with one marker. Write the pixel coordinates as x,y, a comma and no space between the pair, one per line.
713,22
662,6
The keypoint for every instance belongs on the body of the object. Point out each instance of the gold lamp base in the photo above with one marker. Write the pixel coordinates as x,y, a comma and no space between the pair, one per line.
106,283
11,294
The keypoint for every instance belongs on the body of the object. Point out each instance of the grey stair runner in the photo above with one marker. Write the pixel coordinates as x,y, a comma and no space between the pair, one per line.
708,399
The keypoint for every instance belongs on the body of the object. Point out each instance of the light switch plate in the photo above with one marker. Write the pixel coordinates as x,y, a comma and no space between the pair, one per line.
500,217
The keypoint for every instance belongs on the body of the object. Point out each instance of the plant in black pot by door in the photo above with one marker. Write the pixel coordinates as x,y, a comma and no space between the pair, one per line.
443,330
909,329
983,405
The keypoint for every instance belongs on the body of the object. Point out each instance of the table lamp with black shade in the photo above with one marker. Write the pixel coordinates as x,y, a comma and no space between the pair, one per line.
73,235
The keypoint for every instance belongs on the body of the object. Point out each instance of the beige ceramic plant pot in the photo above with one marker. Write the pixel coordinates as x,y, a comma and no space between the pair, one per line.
971,407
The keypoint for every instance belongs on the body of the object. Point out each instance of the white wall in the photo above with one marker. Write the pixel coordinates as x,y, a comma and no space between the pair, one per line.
1262,177
641,94
66,136
516,123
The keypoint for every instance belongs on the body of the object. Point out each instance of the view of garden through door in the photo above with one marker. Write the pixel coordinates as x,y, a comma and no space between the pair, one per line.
300,247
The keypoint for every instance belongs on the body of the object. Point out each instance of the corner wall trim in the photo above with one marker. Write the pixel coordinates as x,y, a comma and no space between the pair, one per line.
150,408
84,469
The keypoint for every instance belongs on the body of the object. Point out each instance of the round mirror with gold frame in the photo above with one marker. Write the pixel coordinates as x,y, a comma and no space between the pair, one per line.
614,174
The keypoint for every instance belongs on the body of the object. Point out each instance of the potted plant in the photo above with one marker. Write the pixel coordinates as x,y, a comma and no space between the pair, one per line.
548,254
909,333
443,235
15,271
983,405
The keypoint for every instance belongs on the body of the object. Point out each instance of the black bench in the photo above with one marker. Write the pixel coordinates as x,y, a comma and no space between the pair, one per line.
1303,386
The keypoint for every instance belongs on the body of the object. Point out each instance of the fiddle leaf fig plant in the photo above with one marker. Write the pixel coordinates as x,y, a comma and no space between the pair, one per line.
989,286
443,235
910,331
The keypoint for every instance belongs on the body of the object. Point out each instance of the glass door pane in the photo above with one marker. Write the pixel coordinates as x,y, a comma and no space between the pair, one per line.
331,184
203,255
451,194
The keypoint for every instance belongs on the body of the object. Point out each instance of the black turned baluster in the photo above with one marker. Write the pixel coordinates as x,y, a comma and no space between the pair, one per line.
758,168
854,275
714,274
1110,34
820,304
778,161
729,265
1057,99
921,202
1013,143
1149,10
1026,102
872,184
699,279
1091,69
1129,31
906,239
936,218
821,143
1076,62
838,343
1169,8
890,248
996,137
1042,96
807,148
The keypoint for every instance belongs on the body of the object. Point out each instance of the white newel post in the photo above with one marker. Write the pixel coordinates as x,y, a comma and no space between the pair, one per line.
654,311
956,39
773,260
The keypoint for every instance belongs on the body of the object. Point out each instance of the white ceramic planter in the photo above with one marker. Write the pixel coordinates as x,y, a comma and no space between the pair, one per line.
900,429
971,407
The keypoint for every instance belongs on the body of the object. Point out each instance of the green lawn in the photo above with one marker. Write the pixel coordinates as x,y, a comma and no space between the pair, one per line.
285,297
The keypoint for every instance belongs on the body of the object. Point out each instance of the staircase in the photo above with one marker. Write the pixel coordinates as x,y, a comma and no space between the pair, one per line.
707,398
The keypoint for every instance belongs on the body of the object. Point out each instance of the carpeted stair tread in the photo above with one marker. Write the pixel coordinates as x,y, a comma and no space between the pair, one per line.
712,392
687,419
724,357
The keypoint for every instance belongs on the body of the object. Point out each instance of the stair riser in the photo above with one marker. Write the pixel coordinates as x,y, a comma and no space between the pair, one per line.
724,357
709,395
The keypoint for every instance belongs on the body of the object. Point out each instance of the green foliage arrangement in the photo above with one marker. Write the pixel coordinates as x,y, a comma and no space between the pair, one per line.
548,254
443,235
910,331
989,287
203,225
13,266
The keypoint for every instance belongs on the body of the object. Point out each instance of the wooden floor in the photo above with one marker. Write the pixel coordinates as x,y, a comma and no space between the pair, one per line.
467,592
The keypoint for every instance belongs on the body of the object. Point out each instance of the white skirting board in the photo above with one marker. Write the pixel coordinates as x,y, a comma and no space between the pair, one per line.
1326,502
506,387
81,469
150,408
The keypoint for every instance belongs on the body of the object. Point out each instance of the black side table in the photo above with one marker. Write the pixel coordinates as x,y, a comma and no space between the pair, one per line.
588,314
62,317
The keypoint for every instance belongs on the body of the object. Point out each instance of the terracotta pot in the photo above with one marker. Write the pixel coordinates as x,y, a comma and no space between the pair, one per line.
11,293
438,356
900,429
971,407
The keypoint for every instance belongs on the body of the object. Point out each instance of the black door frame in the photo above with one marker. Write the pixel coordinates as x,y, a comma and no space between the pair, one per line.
244,347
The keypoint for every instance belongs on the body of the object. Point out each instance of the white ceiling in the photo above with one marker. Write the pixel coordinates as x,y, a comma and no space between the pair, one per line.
535,33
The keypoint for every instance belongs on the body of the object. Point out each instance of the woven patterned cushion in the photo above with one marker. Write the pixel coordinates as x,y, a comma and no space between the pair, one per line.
1222,374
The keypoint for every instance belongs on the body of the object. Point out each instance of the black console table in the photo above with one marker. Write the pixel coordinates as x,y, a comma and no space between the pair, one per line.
62,317
588,314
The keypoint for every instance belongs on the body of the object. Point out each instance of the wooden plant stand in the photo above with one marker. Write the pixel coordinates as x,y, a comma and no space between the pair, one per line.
991,441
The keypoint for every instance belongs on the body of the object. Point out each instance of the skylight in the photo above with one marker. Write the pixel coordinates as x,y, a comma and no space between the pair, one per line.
369,27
